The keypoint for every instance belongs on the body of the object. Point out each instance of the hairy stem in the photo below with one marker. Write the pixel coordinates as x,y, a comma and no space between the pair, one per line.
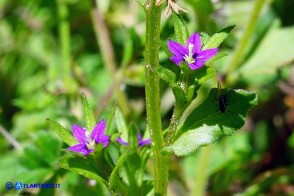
153,14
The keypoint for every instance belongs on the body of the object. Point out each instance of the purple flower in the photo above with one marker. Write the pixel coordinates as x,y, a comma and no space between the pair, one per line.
191,54
87,141
141,142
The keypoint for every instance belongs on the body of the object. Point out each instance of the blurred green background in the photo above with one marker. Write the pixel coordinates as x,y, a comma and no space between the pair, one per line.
52,51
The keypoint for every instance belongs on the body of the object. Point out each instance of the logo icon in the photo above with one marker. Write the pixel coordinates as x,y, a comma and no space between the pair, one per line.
9,186
18,185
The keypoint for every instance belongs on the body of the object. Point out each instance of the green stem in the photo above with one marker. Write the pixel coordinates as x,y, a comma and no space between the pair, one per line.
64,36
178,111
240,50
153,14
201,176
107,52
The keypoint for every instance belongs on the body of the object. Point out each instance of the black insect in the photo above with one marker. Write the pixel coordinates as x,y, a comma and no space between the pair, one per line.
222,103
222,99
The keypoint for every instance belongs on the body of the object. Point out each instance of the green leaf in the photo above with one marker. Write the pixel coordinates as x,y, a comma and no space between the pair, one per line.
42,141
109,121
207,124
216,57
190,93
204,73
81,166
274,51
204,37
133,136
181,30
114,176
217,38
35,175
167,75
179,95
88,114
128,50
121,124
63,133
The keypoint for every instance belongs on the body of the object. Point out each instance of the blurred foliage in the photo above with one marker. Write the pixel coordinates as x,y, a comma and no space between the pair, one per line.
258,160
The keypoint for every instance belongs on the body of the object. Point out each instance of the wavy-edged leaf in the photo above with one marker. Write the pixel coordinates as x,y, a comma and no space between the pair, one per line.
88,114
207,124
63,133
217,38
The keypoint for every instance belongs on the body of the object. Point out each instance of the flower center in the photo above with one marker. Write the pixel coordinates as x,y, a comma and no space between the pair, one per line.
189,58
90,143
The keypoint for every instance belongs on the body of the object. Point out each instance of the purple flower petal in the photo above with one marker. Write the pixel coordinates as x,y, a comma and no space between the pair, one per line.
196,41
198,64
176,48
105,140
177,60
80,148
139,137
205,55
119,140
79,133
144,142
98,131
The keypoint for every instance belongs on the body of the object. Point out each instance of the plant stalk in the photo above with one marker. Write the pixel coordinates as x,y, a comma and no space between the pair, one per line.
201,176
65,39
107,52
153,15
239,54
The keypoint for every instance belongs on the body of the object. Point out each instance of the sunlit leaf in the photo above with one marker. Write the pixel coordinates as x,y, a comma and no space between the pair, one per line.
274,51
63,133
207,124
88,114
181,30
216,57
217,38
204,37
